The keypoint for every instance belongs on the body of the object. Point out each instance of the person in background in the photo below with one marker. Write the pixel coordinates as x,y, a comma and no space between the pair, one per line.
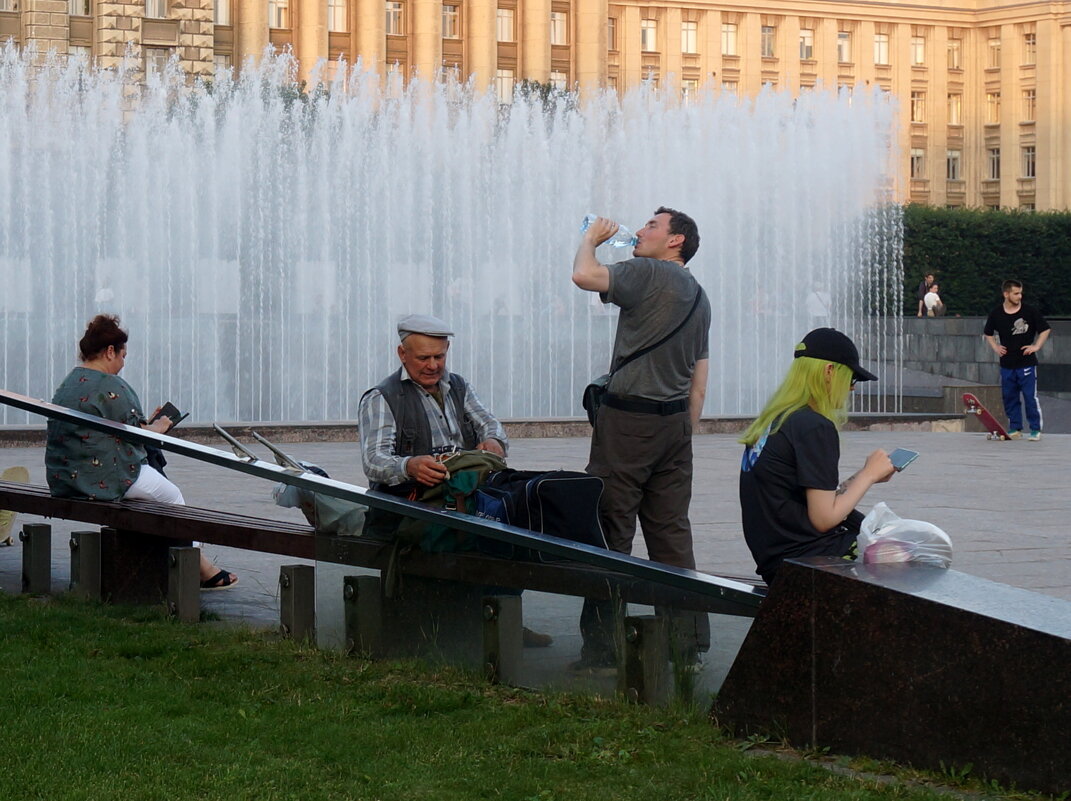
934,306
920,294
1022,332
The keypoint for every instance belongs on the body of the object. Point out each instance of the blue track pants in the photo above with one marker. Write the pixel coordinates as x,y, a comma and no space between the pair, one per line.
1013,383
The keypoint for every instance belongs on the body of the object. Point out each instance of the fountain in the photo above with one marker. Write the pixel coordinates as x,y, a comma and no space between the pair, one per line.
259,242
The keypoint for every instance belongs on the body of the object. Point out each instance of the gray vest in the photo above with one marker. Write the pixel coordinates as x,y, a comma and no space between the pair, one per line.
412,432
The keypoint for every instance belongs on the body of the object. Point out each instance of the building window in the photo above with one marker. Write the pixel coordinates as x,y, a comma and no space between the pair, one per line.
728,39
451,22
1026,207
918,162
76,8
689,37
881,48
954,165
278,13
649,35
221,12
806,44
336,16
156,9
1030,48
504,26
559,28
689,88
992,108
955,54
993,54
768,41
993,155
395,22
80,53
559,80
504,81
918,50
221,62
611,33
918,107
1030,105
729,86
1029,161
955,109
156,60
844,47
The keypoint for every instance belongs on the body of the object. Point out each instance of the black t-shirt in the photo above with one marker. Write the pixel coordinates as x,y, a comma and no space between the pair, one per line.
803,454
1014,331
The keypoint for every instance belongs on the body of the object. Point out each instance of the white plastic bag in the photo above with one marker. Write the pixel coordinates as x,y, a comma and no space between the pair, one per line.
884,536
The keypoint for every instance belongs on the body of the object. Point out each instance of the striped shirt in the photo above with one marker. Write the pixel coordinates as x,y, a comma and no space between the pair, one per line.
377,430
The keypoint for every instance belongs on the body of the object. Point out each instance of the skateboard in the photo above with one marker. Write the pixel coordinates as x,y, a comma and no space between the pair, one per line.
19,475
994,430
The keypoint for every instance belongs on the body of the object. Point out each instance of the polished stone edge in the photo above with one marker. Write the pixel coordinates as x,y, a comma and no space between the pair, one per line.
33,436
859,667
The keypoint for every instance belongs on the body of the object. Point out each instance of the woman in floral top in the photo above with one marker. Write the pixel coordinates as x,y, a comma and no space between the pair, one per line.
83,463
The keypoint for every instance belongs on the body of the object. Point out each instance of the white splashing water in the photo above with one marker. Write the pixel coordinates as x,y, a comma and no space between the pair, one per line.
260,245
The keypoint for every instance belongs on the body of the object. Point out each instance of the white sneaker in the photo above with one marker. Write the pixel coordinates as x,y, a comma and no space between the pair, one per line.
1034,436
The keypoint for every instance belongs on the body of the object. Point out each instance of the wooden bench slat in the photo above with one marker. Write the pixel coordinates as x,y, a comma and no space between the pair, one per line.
298,540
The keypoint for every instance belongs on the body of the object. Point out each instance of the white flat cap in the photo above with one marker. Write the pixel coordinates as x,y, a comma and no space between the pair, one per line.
423,324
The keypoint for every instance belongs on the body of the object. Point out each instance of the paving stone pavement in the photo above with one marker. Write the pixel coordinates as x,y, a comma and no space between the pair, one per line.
1004,504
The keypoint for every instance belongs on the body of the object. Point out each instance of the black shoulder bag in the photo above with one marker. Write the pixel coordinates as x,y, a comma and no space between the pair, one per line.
594,392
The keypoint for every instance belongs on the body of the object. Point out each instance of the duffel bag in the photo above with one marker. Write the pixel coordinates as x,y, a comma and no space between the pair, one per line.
560,503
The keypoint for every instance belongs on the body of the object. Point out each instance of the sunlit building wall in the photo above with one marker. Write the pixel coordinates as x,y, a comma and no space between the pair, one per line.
983,88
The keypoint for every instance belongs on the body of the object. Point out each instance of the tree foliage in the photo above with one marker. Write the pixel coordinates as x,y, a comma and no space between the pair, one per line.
972,251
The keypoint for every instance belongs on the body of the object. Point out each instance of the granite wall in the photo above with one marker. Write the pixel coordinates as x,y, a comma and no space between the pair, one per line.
954,346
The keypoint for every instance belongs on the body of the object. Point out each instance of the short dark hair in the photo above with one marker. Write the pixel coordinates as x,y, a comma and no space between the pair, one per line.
681,223
1010,284
102,332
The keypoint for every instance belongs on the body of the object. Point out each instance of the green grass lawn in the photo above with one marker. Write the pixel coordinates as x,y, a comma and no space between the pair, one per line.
109,703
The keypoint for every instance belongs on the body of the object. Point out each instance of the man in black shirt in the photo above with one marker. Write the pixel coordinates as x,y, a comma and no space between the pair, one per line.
924,287
1022,331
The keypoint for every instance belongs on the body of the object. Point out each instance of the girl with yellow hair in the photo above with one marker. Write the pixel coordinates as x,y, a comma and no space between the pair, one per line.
790,497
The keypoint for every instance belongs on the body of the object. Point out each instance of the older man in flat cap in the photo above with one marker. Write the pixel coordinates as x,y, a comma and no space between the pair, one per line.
420,411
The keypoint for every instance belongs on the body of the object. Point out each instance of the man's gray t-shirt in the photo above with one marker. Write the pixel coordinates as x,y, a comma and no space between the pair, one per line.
654,297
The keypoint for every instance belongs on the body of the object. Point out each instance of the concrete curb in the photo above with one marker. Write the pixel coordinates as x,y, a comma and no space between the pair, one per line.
33,436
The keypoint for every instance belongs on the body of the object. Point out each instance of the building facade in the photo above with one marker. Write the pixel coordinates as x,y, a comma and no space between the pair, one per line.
984,86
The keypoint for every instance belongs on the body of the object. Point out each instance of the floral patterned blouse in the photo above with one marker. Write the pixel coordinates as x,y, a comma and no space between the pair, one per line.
82,463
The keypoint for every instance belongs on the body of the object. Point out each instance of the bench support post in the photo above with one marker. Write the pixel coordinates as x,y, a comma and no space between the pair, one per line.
297,601
184,584
85,565
435,619
363,611
133,566
36,541
646,677
503,642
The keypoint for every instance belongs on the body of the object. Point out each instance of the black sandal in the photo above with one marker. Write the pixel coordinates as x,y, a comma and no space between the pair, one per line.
221,581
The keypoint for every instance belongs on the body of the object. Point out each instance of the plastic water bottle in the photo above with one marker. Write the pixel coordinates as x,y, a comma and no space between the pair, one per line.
624,238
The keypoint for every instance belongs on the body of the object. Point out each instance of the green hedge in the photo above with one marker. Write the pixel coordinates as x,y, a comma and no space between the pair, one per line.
972,251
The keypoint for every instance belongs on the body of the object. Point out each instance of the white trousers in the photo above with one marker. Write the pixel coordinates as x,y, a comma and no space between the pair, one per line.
152,486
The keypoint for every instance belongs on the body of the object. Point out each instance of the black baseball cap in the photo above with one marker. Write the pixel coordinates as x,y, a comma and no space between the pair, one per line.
833,346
